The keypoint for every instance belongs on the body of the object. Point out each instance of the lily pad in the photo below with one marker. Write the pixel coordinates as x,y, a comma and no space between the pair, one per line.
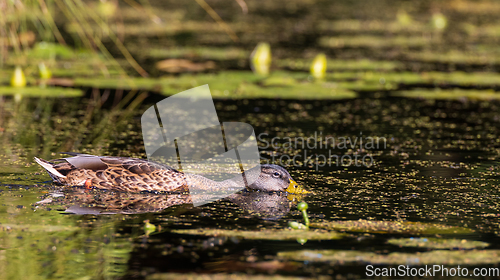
464,79
438,243
455,94
198,52
371,25
266,234
120,83
393,227
40,92
371,41
457,78
477,57
381,78
441,257
230,84
279,81
304,90
339,64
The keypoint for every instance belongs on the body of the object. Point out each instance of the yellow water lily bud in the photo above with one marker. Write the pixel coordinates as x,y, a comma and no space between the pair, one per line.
439,21
44,72
18,79
318,66
260,59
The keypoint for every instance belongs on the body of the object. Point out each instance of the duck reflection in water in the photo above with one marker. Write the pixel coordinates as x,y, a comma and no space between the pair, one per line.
265,205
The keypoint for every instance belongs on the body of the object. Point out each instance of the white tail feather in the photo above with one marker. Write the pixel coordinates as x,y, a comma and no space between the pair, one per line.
49,168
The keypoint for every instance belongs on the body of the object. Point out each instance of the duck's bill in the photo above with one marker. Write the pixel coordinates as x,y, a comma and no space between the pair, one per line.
294,188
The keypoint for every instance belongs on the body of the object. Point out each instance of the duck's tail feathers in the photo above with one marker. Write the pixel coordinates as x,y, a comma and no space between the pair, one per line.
56,175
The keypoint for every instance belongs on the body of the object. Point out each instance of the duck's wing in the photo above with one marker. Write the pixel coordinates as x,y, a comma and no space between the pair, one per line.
120,173
90,162
134,165
134,175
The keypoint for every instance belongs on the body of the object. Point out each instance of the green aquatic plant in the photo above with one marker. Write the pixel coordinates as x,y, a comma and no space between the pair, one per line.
265,234
393,227
36,91
198,52
438,243
277,81
455,94
374,25
480,56
230,85
340,64
373,41
302,207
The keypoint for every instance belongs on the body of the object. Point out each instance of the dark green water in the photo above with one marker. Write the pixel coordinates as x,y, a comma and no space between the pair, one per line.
434,181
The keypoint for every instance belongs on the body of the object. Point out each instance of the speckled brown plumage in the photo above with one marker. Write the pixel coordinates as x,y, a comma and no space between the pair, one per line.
116,173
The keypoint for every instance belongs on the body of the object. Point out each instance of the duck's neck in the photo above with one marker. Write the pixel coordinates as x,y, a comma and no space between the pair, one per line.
207,185
204,190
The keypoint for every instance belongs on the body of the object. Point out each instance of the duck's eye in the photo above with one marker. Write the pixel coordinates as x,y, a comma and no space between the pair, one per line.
276,174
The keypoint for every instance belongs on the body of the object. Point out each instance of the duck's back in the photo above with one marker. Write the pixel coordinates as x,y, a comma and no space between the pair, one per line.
114,173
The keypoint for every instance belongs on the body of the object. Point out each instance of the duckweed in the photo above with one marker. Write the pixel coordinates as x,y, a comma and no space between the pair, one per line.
265,234
392,227
437,243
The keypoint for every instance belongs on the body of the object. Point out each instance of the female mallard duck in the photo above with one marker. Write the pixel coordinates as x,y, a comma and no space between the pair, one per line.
136,175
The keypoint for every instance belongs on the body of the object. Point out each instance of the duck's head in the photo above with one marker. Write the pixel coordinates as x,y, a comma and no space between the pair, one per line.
274,178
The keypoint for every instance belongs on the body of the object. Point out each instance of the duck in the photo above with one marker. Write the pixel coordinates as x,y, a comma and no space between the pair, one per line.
140,175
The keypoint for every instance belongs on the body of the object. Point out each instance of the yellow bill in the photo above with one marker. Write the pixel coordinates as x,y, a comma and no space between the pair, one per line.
294,188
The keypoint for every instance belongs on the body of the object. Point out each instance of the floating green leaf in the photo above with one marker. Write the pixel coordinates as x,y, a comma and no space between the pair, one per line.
437,243
340,64
266,234
372,41
40,92
231,85
455,94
